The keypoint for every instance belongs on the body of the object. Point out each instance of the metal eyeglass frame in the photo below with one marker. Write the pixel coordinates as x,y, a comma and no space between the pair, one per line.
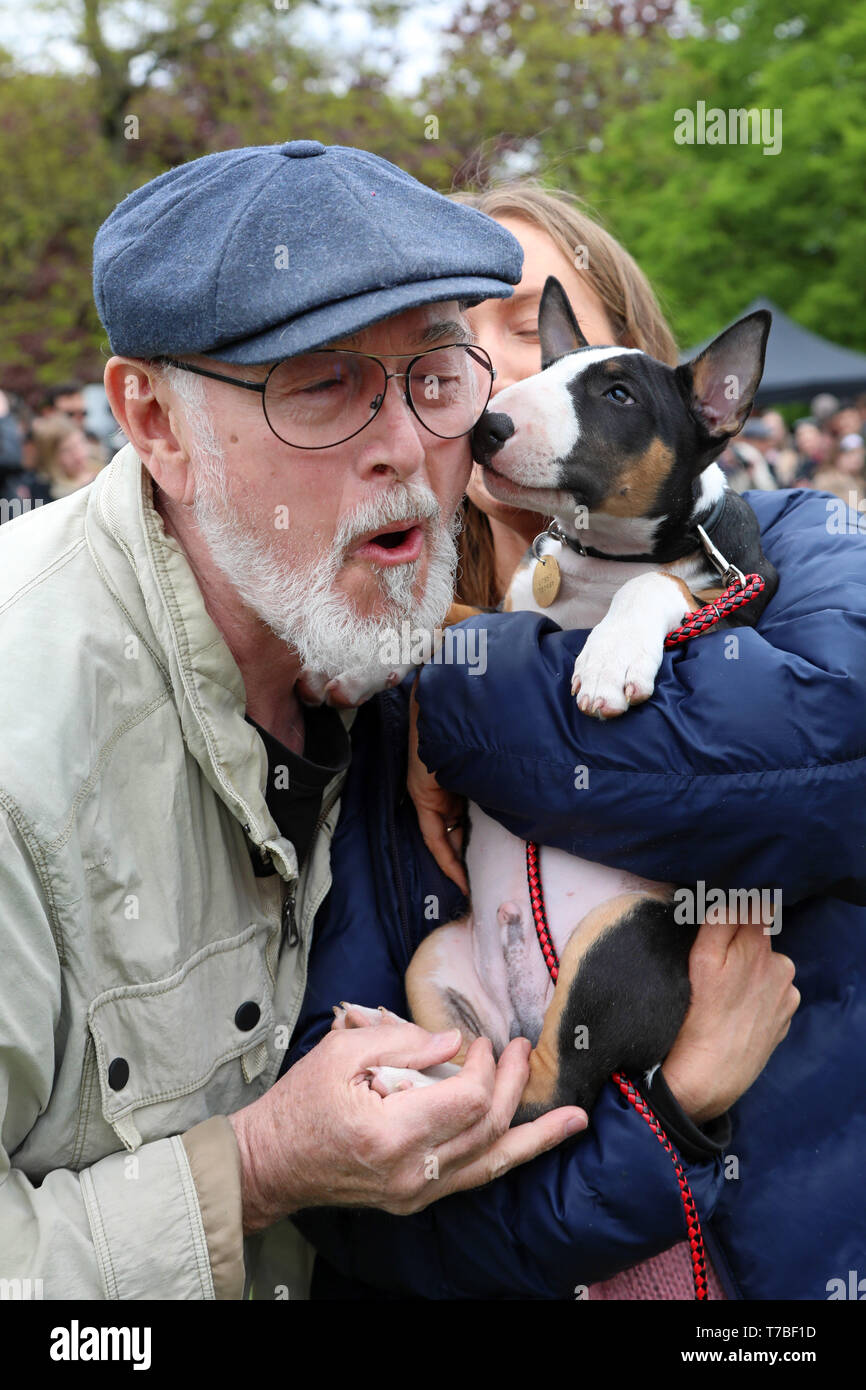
261,386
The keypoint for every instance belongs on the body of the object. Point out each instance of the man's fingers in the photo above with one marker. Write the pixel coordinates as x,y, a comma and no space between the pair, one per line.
397,1045
512,1074
454,1106
519,1145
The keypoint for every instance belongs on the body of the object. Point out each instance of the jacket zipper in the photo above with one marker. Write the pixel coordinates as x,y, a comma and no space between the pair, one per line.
289,922
392,829
290,925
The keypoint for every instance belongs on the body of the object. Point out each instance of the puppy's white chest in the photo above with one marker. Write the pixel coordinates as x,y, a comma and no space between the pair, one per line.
586,586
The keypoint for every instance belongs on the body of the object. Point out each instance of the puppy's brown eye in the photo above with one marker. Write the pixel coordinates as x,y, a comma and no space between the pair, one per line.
620,395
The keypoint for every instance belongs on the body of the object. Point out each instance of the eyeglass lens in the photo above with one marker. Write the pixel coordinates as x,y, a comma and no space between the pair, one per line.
319,399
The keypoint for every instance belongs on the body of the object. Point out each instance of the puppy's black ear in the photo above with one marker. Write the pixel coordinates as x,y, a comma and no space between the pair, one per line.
558,329
721,382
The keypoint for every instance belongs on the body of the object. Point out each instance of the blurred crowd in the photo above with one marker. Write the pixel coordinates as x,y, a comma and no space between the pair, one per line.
825,449
54,449
60,446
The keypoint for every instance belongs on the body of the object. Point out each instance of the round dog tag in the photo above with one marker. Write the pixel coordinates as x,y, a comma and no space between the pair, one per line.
546,580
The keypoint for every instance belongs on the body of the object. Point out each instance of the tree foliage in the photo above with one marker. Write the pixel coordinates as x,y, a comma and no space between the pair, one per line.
583,95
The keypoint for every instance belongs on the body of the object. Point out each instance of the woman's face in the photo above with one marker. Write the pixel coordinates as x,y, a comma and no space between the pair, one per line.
73,455
508,330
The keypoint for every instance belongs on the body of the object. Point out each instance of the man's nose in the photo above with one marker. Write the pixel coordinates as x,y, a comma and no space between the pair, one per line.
395,436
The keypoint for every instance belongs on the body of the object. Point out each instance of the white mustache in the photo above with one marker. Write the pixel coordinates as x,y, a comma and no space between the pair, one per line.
408,503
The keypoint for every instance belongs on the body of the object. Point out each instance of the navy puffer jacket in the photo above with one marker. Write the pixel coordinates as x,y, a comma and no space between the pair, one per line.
747,768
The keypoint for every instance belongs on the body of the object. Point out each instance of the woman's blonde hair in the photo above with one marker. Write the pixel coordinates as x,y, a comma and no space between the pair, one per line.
628,300
48,436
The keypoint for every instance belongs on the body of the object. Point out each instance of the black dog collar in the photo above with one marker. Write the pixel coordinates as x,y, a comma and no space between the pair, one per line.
693,539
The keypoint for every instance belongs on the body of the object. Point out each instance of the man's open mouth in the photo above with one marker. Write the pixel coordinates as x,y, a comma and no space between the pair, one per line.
390,539
398,545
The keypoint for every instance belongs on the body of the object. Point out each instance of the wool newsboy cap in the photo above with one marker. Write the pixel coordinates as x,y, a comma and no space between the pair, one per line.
254,254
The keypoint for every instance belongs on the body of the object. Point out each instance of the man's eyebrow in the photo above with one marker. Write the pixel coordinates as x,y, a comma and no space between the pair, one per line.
433,333
448,328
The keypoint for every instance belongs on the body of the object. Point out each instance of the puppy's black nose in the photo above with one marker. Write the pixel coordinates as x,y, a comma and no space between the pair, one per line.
490,434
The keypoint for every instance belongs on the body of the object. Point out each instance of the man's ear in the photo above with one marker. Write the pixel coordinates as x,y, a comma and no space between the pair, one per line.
720,383
558,329
140,403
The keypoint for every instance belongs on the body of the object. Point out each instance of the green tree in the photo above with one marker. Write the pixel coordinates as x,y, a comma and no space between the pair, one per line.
586,99
184,80
584,96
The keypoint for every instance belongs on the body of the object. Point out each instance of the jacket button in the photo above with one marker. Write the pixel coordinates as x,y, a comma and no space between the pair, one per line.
118,1073
247,1016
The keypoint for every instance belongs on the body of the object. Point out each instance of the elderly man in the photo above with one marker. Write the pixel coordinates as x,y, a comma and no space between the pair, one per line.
167,809
297,384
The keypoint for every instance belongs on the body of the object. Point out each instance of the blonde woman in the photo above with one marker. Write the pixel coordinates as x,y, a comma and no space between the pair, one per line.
61,455
736,773
614,303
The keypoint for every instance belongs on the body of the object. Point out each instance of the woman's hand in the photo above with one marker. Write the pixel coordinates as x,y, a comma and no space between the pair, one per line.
437,809
743,1000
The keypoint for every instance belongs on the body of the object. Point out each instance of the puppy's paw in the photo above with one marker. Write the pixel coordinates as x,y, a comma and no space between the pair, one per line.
387,1081
310,687
357,1016
351,688
614,670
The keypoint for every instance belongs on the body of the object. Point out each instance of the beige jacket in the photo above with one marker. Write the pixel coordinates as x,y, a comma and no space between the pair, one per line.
132,925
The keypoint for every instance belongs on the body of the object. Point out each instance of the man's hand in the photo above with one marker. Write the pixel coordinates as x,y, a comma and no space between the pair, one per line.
322,1137
436,809
743,1000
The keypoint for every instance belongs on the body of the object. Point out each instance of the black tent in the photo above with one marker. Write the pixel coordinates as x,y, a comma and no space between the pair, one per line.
800,364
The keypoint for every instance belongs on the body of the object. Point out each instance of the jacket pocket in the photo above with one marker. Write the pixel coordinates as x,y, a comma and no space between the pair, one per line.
159,1042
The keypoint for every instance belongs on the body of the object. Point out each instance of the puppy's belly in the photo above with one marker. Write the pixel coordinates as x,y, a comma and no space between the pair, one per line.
505,952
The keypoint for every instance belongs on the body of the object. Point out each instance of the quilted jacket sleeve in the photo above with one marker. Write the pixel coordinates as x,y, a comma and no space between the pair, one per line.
744,769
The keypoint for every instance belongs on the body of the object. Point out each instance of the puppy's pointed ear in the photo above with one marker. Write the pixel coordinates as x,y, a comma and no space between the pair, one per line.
558,329
721,382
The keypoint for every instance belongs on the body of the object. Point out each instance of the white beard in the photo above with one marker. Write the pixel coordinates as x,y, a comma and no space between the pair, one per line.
297,599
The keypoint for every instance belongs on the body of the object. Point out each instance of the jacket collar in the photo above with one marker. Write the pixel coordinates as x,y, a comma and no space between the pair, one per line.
150,577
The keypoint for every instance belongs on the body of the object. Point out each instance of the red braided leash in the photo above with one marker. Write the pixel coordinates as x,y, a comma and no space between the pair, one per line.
628,1089
693,1225
733,597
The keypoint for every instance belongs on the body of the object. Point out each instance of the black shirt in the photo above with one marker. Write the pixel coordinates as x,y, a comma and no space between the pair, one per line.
297,781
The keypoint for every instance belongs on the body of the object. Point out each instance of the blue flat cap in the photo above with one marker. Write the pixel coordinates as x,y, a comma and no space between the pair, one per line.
254,254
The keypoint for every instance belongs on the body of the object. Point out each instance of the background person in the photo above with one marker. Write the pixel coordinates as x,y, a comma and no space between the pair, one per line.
845,474
62,458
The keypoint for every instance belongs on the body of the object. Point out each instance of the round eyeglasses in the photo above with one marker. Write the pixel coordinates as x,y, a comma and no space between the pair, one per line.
322,398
